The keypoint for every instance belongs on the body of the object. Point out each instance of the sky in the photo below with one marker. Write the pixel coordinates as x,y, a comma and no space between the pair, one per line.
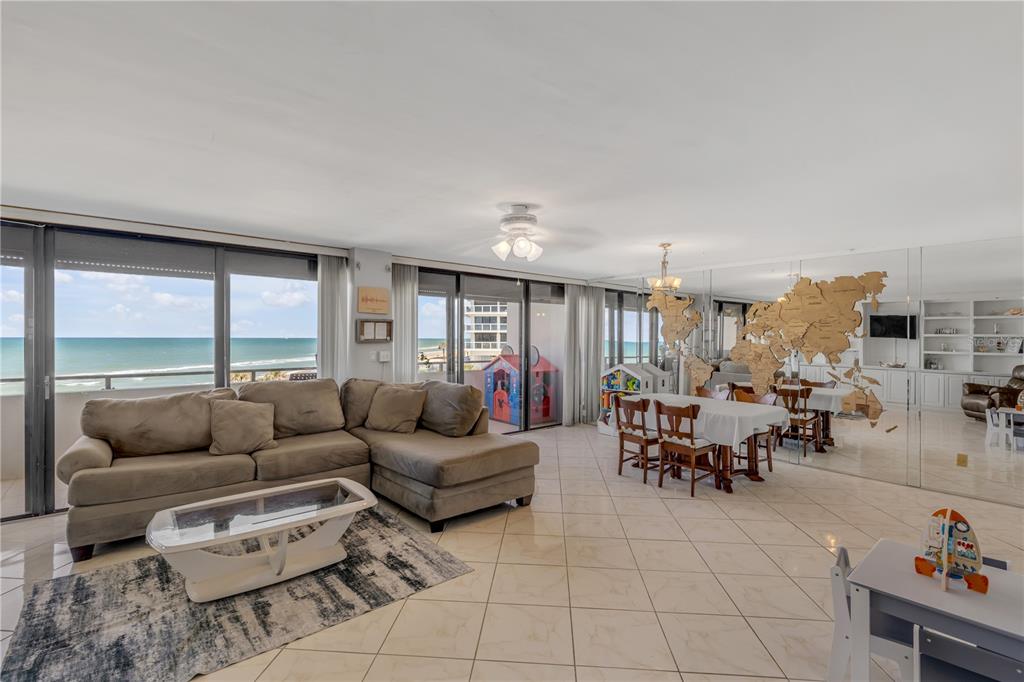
103,304
431,323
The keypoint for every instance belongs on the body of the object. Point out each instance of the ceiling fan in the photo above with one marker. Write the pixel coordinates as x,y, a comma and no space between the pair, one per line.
518,233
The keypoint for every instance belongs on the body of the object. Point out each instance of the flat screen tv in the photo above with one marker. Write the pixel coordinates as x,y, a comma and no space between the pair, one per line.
892,326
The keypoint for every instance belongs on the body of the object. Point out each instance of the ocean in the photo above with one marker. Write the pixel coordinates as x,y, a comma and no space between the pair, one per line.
119,356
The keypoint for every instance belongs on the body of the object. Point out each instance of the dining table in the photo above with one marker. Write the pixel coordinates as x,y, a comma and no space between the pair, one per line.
825,401
727,423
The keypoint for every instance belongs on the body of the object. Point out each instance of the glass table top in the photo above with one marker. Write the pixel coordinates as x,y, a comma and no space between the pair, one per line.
249,514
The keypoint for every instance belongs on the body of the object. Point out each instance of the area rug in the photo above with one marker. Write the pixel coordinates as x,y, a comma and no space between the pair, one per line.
133,621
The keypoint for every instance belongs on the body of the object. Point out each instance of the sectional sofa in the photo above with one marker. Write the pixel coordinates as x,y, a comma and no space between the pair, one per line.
424,446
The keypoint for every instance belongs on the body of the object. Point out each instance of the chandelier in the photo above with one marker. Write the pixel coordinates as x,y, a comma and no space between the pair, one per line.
665,283
518,228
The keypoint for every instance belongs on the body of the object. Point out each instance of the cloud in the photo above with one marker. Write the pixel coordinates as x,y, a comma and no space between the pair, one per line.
62,277
11,296
239,326
292,296
16,318
131,287
121,310
431,309
162,298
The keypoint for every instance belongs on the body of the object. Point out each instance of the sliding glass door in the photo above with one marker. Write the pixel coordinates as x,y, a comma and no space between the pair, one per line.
547,353
437,325
18,474
492,327
272,315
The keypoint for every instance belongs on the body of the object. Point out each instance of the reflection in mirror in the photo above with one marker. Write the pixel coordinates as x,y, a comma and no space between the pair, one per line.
972,326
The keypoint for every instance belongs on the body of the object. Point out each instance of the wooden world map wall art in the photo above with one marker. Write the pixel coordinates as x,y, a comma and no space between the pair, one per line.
678,320
814,317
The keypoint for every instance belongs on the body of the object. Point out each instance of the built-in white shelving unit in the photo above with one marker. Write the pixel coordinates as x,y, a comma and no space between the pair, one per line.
972,335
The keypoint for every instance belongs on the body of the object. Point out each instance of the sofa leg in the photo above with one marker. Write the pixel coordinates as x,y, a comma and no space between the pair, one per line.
524,501
436,526
83,553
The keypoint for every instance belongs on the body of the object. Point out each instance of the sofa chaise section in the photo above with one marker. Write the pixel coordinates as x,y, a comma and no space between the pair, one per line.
449,464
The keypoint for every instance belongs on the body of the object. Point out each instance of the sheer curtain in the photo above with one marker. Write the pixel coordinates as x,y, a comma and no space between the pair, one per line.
405,292
584,342
332,318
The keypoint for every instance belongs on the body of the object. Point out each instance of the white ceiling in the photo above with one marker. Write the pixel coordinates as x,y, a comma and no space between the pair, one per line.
741,132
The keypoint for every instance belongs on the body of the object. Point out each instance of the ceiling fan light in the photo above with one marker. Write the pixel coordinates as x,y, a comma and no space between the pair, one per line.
521,247
535,252
502,249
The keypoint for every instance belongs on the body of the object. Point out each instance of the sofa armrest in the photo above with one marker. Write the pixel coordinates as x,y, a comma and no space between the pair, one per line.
1006,396
84,453
482,423
977,389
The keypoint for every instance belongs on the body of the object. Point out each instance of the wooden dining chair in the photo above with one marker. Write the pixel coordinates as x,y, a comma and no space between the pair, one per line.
716,395
631,416
734,389
679,448
755,439
804,424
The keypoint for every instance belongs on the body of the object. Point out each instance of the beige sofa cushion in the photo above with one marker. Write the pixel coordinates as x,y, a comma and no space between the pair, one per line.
451,409
356,396
300,407
441,461
310,454
240,427
136,478
153,426
395,408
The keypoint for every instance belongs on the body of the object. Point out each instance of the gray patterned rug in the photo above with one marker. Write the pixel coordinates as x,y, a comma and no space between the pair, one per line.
133,621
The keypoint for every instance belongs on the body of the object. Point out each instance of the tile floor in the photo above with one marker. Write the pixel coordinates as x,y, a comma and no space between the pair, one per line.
602,578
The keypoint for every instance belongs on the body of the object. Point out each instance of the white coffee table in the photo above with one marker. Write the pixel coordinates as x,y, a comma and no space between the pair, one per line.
183,535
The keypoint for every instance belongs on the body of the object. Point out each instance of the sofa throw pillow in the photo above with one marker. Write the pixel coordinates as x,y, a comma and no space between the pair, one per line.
396,408
356,396
451,409
153,426
300,407
241,428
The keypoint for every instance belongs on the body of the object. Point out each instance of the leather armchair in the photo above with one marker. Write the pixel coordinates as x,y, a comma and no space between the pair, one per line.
1008,395
979,397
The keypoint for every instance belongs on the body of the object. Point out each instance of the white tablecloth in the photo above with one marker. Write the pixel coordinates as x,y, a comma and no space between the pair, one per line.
823,399
827,399
724,422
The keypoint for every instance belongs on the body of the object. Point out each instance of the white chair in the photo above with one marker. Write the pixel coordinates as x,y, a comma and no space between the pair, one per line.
1001,429
839,662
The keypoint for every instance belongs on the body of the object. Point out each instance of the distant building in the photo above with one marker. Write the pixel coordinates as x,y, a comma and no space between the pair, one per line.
486,328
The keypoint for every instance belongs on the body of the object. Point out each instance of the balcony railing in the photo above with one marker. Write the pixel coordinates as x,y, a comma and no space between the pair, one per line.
109,378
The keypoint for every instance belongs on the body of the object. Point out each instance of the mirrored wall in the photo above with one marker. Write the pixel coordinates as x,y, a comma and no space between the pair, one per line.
923,389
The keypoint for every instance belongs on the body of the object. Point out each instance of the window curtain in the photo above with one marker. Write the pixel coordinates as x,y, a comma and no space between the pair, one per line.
405,292
332,318
584,344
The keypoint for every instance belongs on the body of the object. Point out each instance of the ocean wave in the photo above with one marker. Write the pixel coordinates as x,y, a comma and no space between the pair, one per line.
253,363
199,369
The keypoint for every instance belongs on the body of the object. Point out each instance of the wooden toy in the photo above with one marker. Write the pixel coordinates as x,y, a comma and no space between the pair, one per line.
951,548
